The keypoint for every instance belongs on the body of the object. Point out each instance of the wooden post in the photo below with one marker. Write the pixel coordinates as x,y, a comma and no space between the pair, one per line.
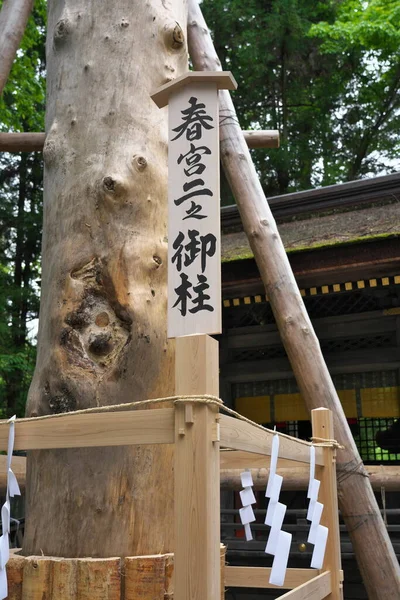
372,546
322,427
197,501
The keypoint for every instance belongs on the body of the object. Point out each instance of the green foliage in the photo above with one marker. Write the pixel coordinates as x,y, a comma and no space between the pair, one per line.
326,74
23,102
21,109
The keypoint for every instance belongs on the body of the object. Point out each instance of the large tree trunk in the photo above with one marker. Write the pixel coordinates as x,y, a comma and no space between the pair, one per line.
102,333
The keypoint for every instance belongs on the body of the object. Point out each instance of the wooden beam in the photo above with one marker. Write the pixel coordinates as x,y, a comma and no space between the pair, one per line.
315,589
322,427
22,142
13,19
197,573
86,430
262,139
34,142
240,435
196,366
258,577
239,459
296,479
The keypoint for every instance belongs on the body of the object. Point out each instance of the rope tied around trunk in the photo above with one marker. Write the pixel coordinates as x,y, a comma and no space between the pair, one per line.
346,470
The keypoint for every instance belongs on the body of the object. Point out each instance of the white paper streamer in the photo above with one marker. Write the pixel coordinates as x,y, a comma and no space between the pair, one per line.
279,515
315,485
317,560
12,490
279,541
279,565
247,497
318,534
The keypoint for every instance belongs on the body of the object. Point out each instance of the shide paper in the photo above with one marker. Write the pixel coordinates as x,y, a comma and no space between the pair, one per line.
12,490
247,497
318,534
279,542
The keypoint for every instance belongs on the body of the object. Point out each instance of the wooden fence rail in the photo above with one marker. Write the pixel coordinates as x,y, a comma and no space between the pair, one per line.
197,429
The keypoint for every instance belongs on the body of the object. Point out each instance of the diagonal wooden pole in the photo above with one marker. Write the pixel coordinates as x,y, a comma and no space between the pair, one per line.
372,546
13,19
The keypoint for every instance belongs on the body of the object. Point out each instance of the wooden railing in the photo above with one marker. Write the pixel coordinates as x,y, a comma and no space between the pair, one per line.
198,430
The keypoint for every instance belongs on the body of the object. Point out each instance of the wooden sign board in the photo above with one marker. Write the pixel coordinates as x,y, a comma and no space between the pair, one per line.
194,257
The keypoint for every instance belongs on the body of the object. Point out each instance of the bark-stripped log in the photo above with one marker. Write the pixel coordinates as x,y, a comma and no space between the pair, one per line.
371,542
102,332
13,19
22,142
380,476
34,142
296,479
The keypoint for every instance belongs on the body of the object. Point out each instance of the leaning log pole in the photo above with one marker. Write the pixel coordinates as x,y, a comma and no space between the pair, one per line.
13,19
372,546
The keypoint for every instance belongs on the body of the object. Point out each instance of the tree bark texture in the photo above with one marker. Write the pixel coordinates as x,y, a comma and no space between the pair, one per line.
13,19
102,329
371,542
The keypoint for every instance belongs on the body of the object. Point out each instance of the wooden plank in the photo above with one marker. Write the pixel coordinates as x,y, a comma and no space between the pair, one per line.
196,366
317,588
238,459
322,426
258,577
199,267
92,429
222,79
197,572
240,435
197,504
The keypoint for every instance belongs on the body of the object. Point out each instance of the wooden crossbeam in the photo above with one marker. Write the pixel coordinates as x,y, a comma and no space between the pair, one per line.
34,142
317,588
258,577
92,429
240,435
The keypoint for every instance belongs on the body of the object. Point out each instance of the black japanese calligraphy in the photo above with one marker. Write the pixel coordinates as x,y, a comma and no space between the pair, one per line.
194,119
199,301
203,245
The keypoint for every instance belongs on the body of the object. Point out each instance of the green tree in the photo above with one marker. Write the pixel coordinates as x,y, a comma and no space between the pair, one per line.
318,95
21,109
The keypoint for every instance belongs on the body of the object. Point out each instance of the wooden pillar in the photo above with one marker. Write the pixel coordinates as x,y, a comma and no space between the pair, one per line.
197,501
322,427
